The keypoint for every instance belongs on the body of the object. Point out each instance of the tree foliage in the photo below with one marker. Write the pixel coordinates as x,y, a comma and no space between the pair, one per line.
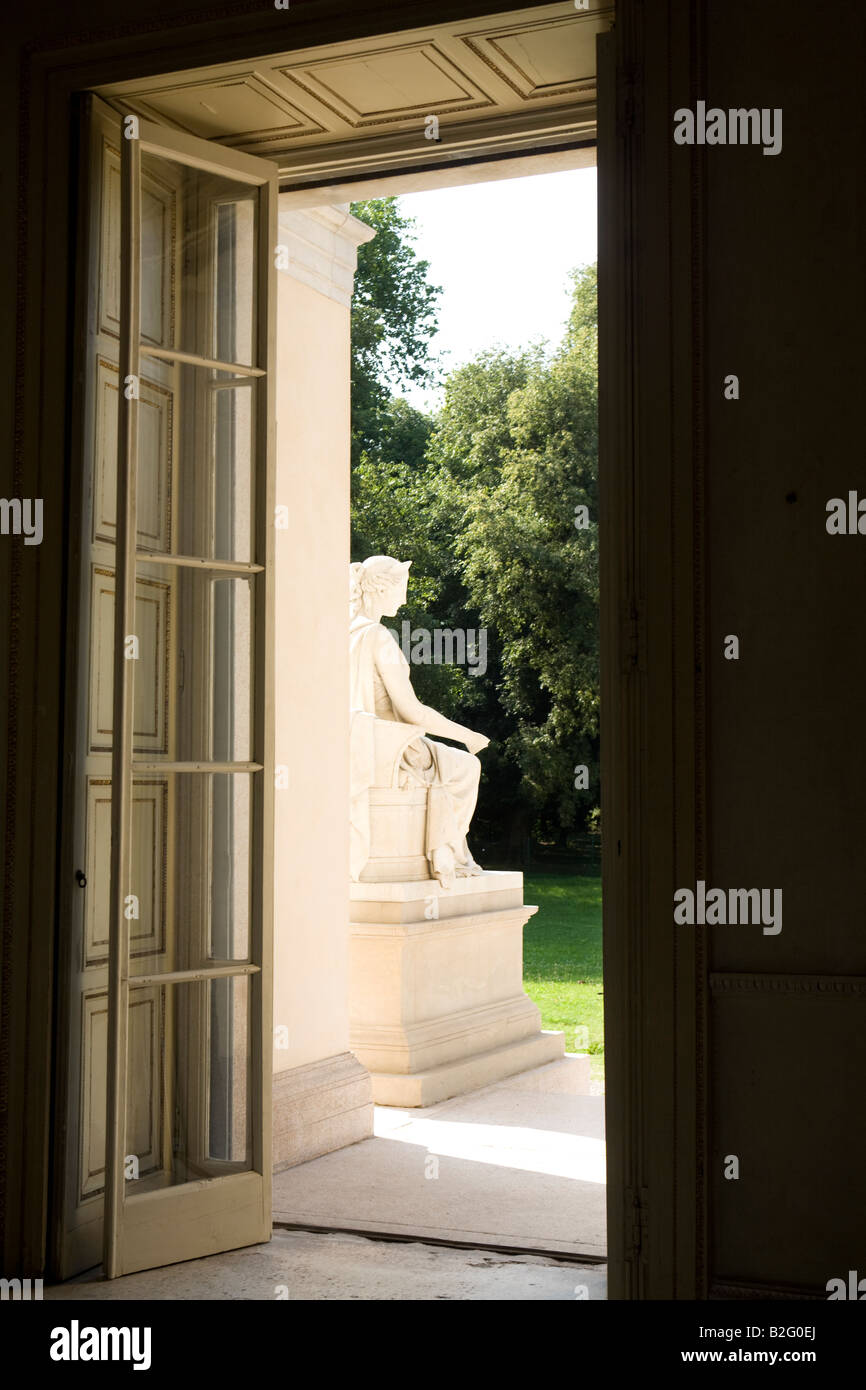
483,500
532,573
394,309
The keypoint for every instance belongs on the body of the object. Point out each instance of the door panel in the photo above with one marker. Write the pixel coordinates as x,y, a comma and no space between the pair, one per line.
153,613
155,492
169,937
150,932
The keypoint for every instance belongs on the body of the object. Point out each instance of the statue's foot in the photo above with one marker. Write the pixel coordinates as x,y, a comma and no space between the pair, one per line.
443,867
467,867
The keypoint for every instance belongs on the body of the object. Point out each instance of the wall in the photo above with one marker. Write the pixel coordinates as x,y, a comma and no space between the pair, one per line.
785,309
322,1094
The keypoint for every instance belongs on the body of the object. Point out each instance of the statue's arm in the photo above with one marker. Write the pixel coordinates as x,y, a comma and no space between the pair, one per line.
394,670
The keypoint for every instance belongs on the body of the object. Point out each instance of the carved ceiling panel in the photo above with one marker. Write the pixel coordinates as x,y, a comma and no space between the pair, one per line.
496,84
551,60
234,110
389,85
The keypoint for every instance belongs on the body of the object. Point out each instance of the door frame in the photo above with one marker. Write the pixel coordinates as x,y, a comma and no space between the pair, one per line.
652,457
653,597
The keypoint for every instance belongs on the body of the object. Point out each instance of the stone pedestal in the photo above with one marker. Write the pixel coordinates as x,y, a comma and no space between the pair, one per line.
437,1005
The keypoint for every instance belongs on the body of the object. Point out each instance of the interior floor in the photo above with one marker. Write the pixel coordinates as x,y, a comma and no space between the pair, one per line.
301,1265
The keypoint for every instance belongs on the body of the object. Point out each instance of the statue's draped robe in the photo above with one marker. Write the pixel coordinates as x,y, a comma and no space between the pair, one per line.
385,752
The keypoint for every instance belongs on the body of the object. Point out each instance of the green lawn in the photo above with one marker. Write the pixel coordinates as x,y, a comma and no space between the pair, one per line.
562,967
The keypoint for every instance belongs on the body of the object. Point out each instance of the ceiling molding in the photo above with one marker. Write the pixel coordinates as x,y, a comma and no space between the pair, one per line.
500,85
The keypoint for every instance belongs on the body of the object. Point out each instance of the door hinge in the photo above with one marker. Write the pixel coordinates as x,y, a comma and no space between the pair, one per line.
634,637
637,1200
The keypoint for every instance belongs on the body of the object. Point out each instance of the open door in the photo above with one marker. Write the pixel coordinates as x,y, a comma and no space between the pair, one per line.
167,1144
211,980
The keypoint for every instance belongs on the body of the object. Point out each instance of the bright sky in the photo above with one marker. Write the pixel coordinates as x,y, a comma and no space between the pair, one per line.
502,253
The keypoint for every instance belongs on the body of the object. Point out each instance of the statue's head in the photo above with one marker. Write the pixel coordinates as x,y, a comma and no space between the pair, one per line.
377,586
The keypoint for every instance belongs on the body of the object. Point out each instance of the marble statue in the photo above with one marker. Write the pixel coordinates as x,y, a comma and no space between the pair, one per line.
389,728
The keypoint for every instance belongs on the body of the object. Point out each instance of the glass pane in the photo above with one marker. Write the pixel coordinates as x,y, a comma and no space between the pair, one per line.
234,277
192,667
231,443
198,262
196,475
189,895
188,1083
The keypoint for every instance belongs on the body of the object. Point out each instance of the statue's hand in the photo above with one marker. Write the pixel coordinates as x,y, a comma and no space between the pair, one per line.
475,742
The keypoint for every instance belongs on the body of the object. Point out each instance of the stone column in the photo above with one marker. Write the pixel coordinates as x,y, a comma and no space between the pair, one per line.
322,1097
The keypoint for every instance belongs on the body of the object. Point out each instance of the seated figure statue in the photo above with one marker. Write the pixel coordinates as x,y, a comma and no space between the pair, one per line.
389,747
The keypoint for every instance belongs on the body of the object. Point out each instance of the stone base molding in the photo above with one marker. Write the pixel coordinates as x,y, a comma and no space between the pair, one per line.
320,1107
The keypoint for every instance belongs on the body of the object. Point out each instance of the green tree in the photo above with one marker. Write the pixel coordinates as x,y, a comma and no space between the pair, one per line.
484,501
515,454
394,308
532,572
473,431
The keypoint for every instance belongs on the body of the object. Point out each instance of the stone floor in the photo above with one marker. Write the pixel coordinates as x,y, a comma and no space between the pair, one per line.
517,1164
302,1266
520,1163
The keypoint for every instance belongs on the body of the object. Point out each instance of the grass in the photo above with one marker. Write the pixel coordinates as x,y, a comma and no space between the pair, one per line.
562,962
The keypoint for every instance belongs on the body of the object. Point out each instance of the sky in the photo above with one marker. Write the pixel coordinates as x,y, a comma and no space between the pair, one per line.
502,253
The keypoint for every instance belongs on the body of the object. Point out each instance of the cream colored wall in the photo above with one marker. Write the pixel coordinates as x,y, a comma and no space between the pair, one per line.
312,840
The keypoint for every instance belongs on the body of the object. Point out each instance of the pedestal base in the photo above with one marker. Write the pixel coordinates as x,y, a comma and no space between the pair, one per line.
456,1078
436,1000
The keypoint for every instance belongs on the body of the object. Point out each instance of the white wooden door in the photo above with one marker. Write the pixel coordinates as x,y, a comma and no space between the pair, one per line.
167,1153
